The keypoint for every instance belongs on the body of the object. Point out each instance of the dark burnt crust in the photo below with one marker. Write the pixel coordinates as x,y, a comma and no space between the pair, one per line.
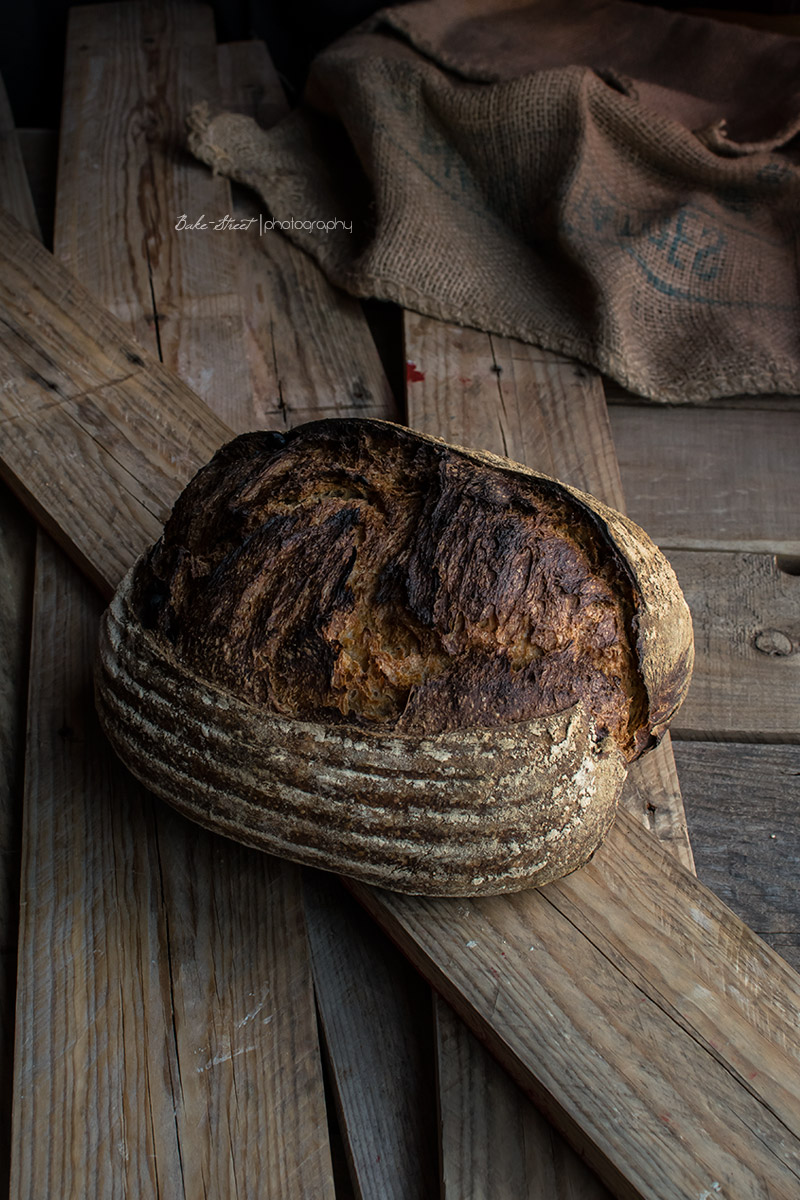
272,556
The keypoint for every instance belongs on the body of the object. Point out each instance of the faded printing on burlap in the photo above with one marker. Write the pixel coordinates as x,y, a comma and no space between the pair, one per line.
615,183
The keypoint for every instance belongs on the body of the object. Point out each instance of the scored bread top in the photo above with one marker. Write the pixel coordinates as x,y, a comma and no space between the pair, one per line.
356,571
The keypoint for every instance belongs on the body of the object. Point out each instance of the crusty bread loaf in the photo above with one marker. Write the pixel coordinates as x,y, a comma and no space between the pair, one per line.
365,649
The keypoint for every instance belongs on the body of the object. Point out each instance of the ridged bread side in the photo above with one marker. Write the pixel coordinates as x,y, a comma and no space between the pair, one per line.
467,812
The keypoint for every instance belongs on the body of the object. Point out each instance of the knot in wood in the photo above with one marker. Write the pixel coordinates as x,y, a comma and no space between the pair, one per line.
772,641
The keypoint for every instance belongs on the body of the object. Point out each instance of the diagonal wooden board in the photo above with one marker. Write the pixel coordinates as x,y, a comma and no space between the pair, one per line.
655,1029
188,980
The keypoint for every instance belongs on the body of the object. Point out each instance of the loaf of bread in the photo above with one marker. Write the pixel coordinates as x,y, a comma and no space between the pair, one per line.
364,649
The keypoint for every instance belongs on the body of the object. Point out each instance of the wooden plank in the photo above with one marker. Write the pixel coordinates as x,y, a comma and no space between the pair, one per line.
15,192
17,549
375,1011
17,541
126,950
73,377
712,479
249,83
550,413
652,794
125,180
480,390
654,1029
495,1141
747,999
743,808
746,615
240,1102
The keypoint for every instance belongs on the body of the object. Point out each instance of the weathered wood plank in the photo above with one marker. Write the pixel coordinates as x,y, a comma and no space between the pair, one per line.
743,809
15,192
721,963
712,479
375,1014
74,378
17,543
126,179
550,413
237,1061
652,794
495,1141
74,956
17,550
614,998
538,408
249,83
746,615
126,948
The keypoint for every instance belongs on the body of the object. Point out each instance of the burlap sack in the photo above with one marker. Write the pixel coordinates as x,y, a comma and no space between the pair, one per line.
613,182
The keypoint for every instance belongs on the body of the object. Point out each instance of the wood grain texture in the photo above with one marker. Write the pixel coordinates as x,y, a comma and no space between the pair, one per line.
550,413
734,969
712,479
492,393
17,550
621,999
375,1014
17,544
497,1144
148,1027
73,377
126,179
240,1106
310,351
652,794
249,83
743,809
746,615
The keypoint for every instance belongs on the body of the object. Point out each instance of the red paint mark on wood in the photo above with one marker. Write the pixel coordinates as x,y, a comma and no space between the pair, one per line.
412,374
465,379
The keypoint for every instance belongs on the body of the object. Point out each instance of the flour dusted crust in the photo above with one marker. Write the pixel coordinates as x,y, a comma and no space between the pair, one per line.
365,649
